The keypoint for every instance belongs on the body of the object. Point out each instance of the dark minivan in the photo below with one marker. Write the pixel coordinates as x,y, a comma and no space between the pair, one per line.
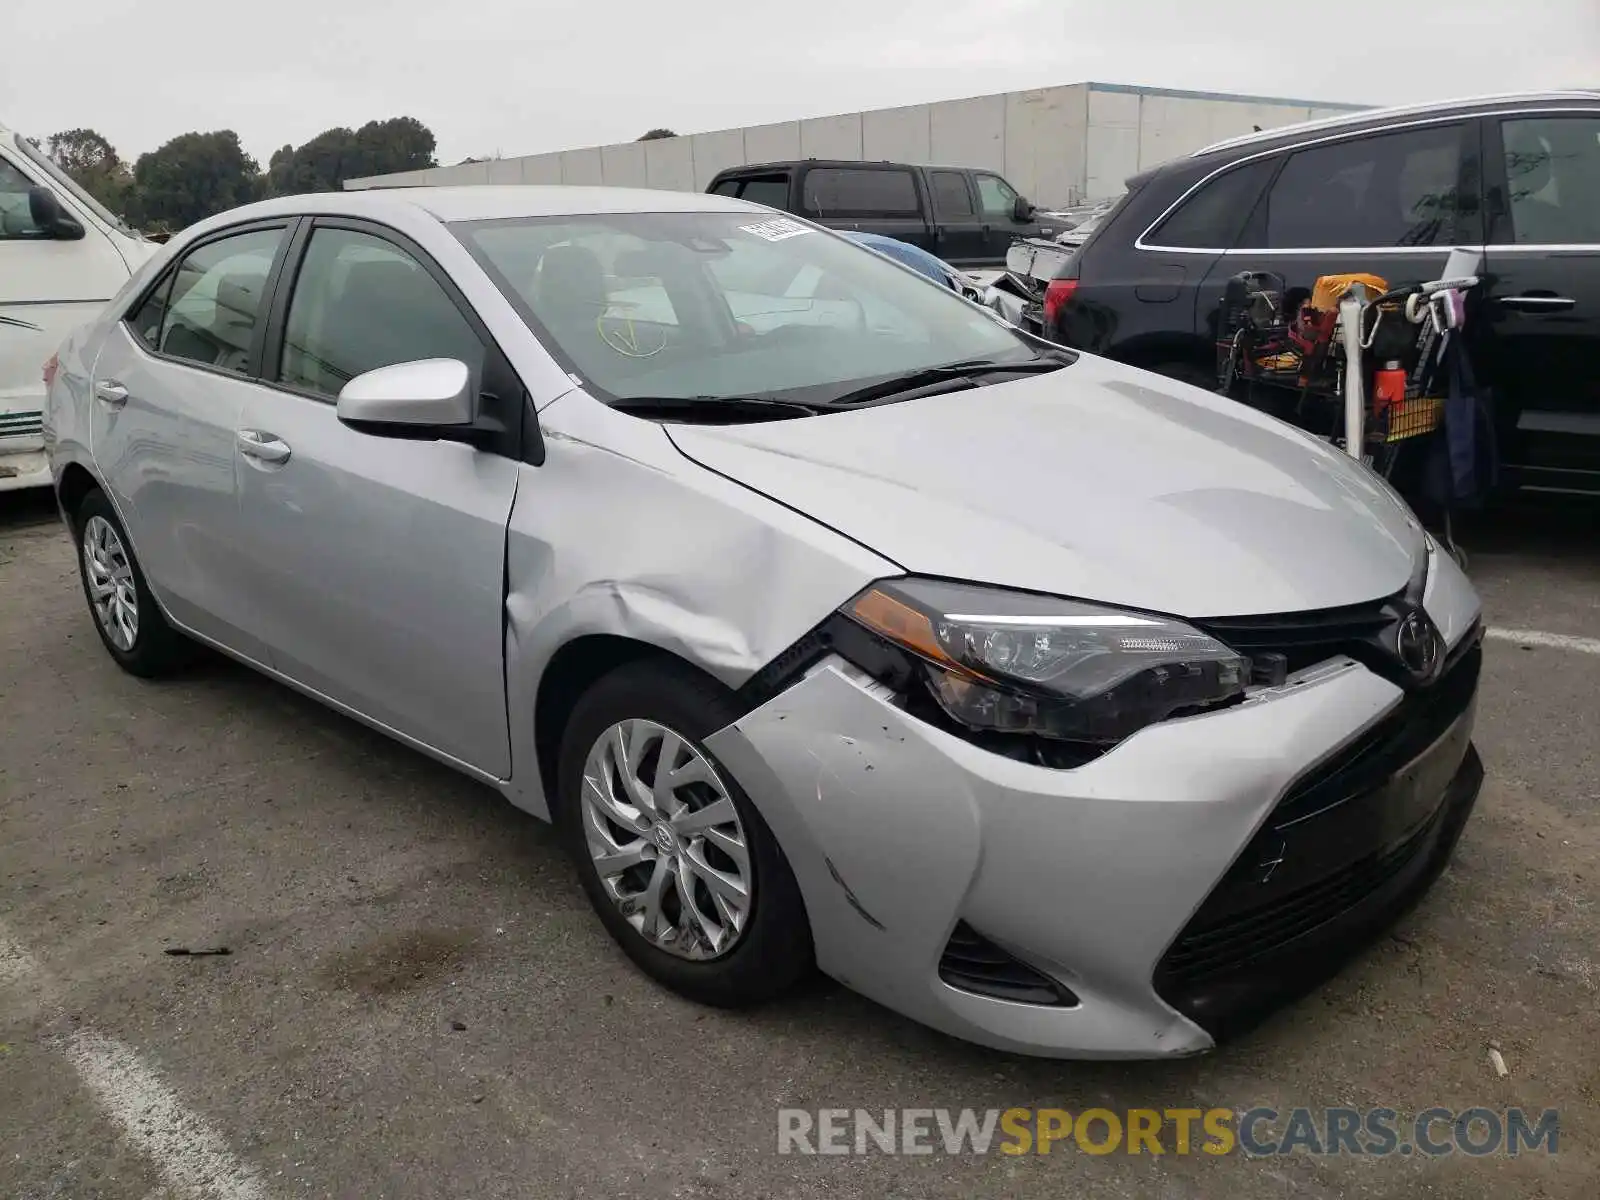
966,217
1516,178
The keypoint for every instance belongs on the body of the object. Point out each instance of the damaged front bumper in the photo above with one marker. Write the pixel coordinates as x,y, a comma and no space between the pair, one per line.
908,842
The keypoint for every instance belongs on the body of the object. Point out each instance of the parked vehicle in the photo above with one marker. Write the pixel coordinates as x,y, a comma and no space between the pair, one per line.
62,255
966,217
920,261
1062,707
1515,178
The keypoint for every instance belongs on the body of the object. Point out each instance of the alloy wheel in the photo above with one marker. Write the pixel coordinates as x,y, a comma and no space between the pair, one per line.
112,592
666,840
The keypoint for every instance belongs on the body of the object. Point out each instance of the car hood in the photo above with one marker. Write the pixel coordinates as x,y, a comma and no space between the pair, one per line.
1097,481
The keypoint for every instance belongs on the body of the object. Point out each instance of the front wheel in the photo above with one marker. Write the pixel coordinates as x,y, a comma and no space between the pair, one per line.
674,857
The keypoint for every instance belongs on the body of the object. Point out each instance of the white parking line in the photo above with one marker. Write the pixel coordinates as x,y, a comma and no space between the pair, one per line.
1555,641
192,1158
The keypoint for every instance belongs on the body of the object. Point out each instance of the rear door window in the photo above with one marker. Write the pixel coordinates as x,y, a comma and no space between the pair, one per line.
1385,190
951,198
1211,218
216,300
1553,180
728,187
771,190
860,192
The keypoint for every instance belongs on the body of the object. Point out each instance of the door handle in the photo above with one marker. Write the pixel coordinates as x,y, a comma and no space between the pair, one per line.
263,447
1538,303
111,392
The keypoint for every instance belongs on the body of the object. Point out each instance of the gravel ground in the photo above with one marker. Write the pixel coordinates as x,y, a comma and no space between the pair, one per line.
419,1003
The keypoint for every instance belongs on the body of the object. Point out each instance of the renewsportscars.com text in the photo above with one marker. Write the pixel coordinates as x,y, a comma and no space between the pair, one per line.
1258,1131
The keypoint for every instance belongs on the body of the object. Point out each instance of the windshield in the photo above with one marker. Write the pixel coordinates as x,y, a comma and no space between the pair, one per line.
720,305
47,164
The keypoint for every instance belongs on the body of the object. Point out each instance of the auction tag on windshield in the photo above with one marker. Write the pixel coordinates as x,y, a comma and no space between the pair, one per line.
777,229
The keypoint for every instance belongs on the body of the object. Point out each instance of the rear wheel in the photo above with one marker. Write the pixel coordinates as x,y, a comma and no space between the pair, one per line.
674,857
125,614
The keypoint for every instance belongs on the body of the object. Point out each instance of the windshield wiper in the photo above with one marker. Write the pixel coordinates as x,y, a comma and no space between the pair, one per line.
951,377
729,408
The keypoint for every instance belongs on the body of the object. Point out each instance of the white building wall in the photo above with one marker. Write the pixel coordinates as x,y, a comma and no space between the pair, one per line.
541,168
715,152
772,143
897,134
969,133
669,164
831,137
624,165
1057,145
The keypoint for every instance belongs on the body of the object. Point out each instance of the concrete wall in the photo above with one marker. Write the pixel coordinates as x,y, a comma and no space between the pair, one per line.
1057,145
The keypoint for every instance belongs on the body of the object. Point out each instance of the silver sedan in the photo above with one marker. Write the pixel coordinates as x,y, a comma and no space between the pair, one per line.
833,621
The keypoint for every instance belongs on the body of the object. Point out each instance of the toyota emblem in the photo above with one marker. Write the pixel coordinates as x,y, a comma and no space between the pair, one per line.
1416,644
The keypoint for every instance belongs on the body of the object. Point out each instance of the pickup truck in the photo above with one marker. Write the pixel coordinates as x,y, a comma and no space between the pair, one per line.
62,256
967,217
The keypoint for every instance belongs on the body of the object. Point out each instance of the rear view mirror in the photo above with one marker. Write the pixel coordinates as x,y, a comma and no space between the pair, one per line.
429,394
50,218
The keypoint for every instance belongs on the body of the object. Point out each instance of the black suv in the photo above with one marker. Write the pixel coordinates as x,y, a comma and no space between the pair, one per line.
1388,192
964,216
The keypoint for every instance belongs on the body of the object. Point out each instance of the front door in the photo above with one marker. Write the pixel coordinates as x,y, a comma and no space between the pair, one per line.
1542,335
376,564
997,206
167,390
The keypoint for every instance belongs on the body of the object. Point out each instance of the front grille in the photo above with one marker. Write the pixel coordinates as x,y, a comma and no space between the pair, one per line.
1336,839
1205,950
21,424
1300,640
973,963
1418,722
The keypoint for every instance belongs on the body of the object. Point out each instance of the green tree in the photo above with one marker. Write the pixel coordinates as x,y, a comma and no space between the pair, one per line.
335,155
655,134
93,163
192,177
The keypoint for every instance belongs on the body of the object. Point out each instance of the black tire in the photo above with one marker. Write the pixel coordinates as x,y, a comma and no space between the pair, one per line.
773,951
157,648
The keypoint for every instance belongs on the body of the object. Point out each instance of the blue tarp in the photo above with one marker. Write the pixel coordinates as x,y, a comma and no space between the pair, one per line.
915,257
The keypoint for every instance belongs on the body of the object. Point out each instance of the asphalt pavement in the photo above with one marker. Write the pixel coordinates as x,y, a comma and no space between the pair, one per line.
417,1001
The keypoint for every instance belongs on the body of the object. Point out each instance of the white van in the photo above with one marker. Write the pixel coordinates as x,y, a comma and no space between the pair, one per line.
62,256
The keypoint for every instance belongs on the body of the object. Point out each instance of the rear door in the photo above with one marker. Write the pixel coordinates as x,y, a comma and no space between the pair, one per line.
1539,345
376,564
869,197
169,384
1391,203
958,235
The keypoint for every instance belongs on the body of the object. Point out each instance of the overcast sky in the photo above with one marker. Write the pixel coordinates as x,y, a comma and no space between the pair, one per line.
523,76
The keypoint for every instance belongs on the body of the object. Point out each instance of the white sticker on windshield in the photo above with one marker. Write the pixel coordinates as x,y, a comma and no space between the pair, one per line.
777,229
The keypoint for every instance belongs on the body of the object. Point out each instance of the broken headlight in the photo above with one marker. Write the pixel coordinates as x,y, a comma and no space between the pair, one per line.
1012,662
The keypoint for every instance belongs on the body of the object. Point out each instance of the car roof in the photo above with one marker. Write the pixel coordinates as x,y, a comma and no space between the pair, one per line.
488,202
785,163
1376,117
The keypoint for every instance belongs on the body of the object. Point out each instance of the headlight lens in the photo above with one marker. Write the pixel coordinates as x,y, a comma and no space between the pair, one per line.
1012,662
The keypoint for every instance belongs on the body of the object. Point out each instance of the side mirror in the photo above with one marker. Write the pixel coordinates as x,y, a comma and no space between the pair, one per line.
1022,211
50,218
429,397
